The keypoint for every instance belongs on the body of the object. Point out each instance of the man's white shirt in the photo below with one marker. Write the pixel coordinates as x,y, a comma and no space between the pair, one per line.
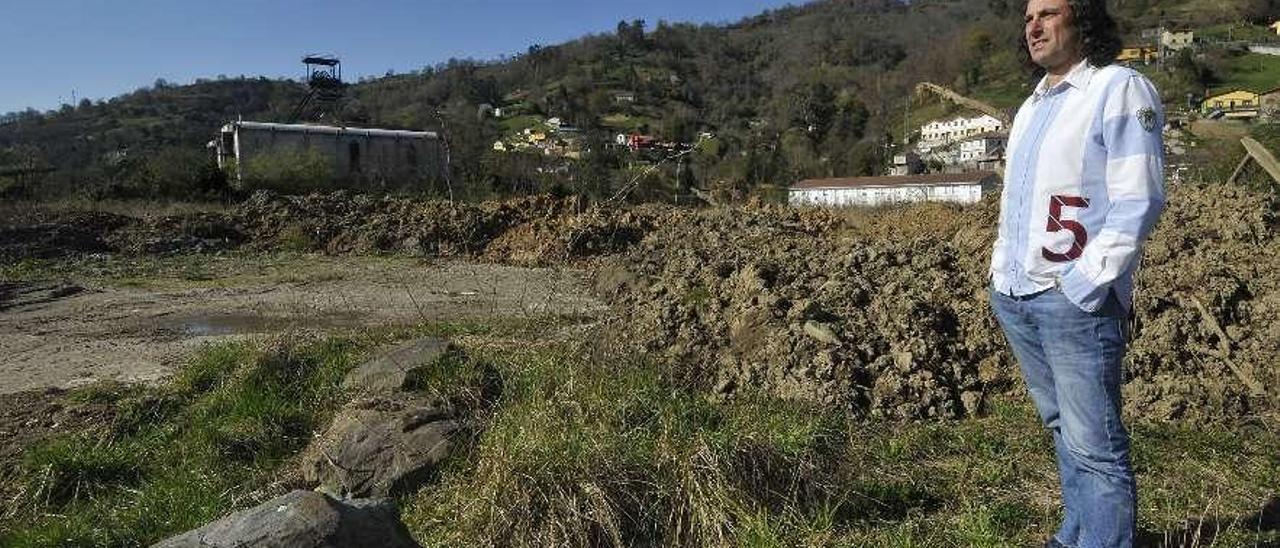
1083,186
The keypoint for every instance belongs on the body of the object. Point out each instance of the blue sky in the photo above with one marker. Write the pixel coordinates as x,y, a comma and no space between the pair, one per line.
100,49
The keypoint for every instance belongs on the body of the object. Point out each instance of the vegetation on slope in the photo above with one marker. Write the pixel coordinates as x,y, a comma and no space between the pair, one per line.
805,91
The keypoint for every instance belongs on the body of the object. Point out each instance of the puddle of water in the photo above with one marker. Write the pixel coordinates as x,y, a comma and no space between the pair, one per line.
239,324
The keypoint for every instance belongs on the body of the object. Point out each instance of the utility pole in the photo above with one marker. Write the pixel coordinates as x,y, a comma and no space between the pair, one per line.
1160,45
906,116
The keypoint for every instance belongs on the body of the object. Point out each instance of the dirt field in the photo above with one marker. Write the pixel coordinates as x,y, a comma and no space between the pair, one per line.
877,312
70,333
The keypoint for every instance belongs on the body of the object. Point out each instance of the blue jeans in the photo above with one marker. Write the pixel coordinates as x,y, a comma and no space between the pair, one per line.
1071,362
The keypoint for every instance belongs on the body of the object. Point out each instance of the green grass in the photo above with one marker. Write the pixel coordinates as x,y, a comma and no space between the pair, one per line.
1237,32
516,124
580,448
1250,71
182,455
578,451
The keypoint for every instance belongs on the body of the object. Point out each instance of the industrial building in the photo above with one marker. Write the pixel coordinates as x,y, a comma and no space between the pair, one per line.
961,188
355,153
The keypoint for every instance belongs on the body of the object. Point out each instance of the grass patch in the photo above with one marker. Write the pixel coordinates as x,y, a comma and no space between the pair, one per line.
1251,71
580,450
184,454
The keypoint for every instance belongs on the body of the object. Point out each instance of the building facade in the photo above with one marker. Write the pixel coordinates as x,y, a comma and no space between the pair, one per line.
1232,104
980,149
943,132
1177,40
960,188
354,153
1138,54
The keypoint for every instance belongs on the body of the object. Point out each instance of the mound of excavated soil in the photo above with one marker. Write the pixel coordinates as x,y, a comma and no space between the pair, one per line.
535,231
881,313
886,314
49,236
800,304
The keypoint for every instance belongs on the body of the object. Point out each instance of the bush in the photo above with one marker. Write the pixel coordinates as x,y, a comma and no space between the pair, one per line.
289,172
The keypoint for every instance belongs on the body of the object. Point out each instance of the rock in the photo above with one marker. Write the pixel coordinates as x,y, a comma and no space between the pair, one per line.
972,401
302,519
903,360
388,372
381,446
821,332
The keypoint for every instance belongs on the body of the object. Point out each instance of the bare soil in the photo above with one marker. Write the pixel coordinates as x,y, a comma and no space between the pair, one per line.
67,334
882,313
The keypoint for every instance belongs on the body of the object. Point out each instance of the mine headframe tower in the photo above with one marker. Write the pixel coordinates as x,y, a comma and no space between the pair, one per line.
325,89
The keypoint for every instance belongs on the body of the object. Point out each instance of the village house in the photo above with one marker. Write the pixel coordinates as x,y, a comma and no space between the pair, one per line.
961,188
943,132
1141,53
1275,27
1177,40
981,149
1232,104
909,163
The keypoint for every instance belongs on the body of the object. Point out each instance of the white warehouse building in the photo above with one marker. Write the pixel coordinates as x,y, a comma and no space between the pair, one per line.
960,188
354,153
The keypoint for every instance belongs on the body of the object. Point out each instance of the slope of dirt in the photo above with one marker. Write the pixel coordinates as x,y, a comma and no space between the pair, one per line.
882,313
801,305
886,313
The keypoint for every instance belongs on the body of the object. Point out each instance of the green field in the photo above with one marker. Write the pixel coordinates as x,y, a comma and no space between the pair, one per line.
578,451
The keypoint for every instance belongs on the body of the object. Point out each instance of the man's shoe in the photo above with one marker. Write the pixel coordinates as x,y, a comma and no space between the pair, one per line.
1053,543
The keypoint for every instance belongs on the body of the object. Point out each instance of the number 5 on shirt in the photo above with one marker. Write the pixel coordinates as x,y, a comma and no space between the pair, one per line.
1056,223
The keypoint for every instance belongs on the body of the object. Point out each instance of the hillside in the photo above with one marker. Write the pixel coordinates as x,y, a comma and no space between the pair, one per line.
814,90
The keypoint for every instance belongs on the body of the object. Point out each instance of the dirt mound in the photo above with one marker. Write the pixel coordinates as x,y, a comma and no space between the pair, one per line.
50,236
555,239
886,313
883,313
195,233
533,231
342,222
1208,307
800,304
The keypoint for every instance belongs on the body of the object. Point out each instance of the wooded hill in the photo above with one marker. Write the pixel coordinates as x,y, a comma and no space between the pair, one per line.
814,90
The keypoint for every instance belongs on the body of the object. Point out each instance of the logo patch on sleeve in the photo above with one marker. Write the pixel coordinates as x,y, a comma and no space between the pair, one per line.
1147,117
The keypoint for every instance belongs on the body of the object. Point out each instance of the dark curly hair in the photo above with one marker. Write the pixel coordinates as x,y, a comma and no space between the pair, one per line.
1099,36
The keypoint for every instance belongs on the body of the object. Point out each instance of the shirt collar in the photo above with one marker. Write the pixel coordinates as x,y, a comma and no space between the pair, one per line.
1078,77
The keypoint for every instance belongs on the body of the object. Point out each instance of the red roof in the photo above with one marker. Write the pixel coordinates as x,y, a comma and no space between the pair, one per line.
903,180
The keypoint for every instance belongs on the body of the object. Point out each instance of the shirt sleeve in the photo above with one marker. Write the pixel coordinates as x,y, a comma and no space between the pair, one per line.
1133,119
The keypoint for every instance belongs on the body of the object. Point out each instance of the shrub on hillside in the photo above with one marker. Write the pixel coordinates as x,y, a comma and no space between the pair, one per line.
289,172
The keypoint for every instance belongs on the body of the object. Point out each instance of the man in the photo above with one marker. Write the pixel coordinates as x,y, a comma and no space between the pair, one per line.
1082,190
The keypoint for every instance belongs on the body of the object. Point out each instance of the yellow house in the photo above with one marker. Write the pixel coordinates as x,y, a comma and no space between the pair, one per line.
1144,54
1234,104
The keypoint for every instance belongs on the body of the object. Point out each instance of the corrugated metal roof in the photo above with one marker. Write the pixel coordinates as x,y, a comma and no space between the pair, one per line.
903,180
332,130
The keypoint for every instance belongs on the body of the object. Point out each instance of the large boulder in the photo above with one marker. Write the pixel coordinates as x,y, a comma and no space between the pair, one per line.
389,371
381,446
302,519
